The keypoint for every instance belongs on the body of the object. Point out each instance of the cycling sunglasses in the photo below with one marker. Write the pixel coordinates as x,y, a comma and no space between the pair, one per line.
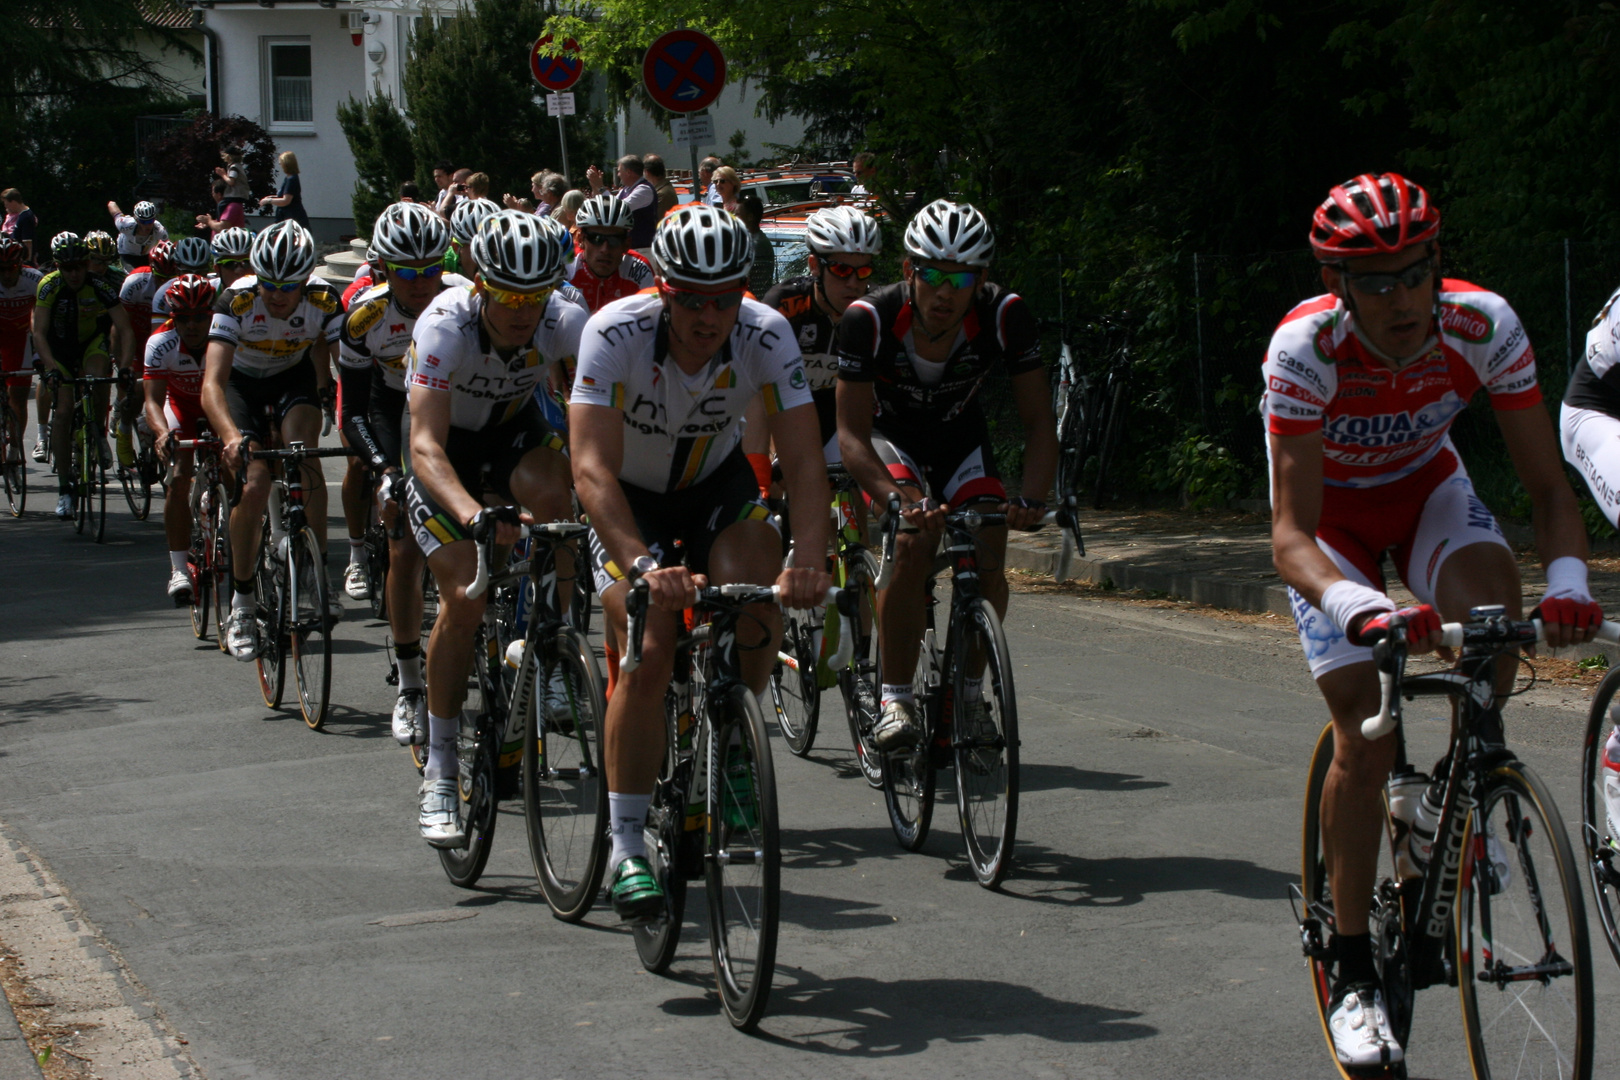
411,273
697,301
200,315
229,262
1384,284
509,299
846,271
605,239
934,277
280,286
73,264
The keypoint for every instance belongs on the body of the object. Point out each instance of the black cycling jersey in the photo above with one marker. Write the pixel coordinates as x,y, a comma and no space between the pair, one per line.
795,299
875,345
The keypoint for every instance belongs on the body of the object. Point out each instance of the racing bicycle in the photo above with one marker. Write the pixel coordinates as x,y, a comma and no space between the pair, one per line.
1600,831
86,470
210,556
1090,412
13,452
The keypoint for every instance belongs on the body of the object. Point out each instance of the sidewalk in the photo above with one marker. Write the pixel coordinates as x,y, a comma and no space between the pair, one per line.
1223,558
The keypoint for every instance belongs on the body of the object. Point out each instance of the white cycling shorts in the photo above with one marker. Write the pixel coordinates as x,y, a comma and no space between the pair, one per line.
1591,442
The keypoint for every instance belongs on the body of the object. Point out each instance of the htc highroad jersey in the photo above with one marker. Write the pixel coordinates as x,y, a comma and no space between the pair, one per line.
678,428
875,344
1378,425
266,345
450,351
376,331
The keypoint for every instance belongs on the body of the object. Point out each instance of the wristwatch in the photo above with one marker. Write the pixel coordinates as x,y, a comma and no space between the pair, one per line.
644,565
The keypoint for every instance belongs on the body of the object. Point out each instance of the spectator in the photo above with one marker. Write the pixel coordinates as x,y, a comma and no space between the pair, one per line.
865,168
455,192
705,182
442,172
763,273
234,175
551,193
409,192
659,179
568,206
20,224
728,185
639,195
228,213
289,201
478,185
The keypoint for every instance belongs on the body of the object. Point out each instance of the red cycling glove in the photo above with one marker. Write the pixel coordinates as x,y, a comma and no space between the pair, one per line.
1421,621
1570,611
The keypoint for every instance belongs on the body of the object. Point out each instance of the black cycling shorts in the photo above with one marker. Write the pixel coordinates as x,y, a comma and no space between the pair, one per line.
952,462
250,399
385,416
483,461
694,516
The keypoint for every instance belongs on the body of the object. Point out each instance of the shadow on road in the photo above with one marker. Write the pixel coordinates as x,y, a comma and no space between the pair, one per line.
63,701
1033,777
1055,877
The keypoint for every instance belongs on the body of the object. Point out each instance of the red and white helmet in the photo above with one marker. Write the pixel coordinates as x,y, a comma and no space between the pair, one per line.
190,293
1373,215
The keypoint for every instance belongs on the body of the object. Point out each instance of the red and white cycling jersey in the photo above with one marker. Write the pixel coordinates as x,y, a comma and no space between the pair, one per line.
1377,425
167,358
136,293
17,304
635,273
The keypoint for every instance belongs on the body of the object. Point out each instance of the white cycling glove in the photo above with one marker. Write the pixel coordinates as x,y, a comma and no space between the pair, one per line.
1345,600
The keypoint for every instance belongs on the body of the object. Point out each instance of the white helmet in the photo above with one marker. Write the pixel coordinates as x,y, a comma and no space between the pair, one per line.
192,254
232,243
842,229
702,245
950,232
518,251
468,215
283,252
409,232
603,212
145,211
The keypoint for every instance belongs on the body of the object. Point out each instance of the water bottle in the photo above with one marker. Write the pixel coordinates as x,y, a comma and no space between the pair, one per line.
1413,811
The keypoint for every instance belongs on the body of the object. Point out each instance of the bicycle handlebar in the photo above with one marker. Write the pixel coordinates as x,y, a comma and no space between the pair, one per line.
1065,517
636,604
1390,654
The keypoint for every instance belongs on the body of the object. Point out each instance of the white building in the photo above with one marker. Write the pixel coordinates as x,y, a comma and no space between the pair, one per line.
289,64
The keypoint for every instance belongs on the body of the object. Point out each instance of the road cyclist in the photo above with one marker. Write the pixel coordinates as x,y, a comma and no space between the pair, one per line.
410,241
1362,385
175,359
137,232
231,248
476,433
606,269
19,284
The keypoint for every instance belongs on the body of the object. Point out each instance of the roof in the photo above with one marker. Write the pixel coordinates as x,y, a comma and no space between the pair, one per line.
166,14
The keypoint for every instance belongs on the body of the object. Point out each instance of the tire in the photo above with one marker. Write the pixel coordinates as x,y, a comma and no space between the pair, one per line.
1527,1026
564,782
1112,426
656,942
478,805
985,745
1071,433
1600,835
16,472
98,480
272,657
137,490
579,609
78,469
793,684
308,631
743,862
219,562
377,569
860,684
908,778
202,578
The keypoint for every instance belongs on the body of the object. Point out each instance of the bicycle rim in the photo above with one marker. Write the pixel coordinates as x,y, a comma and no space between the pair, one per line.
793,685
272,666
859,685
476,810
377,570
744,861
1071,433
80,471
218,565
657,941
98,474
126,484
202,581
984,737
908,778
564,787
1600,827
309,631
1525,968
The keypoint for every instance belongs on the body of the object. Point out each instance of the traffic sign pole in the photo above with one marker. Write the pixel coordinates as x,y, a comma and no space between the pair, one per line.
684,71
556,74
562,141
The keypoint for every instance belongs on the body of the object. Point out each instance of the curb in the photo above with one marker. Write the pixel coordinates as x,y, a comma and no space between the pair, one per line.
16,1060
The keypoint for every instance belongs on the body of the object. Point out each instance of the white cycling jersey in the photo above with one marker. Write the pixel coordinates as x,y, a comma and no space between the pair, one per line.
129,243
266,345
376,331
138,289
451,352
678,428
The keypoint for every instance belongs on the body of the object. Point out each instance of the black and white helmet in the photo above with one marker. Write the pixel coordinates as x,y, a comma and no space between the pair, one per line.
232,243
603,212
193,255
468,215
409,232
144,212
944,231
283,252
702,245
518,251
842,229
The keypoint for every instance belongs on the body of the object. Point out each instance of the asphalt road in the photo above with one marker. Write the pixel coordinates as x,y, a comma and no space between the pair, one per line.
267,884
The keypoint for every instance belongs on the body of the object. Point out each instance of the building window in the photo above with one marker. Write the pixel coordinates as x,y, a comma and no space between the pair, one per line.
289,95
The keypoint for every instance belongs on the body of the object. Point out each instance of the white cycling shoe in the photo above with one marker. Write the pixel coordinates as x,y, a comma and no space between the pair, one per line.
896,728
64,506
1360,1027
242,634
437,816
410,717
179,587
357,582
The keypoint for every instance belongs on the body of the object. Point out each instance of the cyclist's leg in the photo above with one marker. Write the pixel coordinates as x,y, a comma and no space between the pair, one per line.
177,504
12,356
98,364
453,558
974,481
301,422
536,474
62,431
1591,443
245,398
355,493
900,607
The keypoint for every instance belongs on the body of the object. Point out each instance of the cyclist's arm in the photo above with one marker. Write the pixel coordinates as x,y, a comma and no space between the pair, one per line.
321,354
216,374
430,461
1033,395
855,401
1296,510
42,338
797,435
596,445
157,391
1554,513
125,336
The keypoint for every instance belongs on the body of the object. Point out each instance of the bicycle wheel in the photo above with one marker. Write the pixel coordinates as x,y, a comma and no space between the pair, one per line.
908,778
219,562
129,482
1071,432
1600,828
309,632
860,682
743,863
666,828
984,737
1525,969
79,470
564,786
579,609
16,472
98,482
476,747
141,477
793,683
271,618
202,578
377,569
1112,426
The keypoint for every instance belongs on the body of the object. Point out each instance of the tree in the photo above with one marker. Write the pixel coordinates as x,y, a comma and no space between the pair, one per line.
472,101
189,155
380,140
